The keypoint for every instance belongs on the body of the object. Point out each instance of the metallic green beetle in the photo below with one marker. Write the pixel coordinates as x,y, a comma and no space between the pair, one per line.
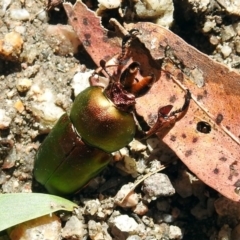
101,121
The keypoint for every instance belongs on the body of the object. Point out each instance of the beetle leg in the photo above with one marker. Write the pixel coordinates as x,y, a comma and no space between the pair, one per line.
132,84
185,105
143,86
129,75
166,118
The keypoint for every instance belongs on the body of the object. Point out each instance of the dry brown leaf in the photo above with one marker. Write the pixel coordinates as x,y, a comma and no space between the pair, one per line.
98,42
213,157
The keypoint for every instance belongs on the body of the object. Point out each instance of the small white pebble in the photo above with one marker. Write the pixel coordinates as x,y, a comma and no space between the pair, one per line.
11,46
97,231
175,232
110,4
151,186
91,207
48,112
134,237
208,26
10,94
5,4
15,184
19,14
126,197
130,164
20,29
73,227
226,51
43,16
35,90
124,151
140,209
80,81
4,120
160,11
126,224
137,146
168,218
141,165
214,40
23,84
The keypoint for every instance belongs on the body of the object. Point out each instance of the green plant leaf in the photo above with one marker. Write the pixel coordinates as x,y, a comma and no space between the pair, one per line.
16,208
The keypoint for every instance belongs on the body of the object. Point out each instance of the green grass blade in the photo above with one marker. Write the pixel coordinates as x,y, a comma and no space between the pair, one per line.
16,208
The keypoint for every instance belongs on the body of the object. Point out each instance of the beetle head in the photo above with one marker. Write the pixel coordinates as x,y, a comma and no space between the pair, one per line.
124,82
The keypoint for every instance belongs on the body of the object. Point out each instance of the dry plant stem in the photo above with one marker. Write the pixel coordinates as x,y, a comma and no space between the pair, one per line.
118,26
143,178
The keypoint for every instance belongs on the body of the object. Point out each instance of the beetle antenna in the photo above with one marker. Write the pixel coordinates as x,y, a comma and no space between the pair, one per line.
127,39
104,68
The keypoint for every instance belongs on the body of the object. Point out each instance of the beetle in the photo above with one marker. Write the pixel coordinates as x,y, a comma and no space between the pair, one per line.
101,121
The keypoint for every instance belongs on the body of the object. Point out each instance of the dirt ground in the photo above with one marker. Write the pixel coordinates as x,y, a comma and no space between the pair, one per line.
36,87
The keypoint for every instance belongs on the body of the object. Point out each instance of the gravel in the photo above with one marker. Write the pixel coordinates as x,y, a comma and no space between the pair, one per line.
41,73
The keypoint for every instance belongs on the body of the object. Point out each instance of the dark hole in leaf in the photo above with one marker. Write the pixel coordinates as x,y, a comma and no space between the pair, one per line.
237,190
203,127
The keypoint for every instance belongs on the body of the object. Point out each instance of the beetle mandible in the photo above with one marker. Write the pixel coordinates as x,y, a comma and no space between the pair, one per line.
101,121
